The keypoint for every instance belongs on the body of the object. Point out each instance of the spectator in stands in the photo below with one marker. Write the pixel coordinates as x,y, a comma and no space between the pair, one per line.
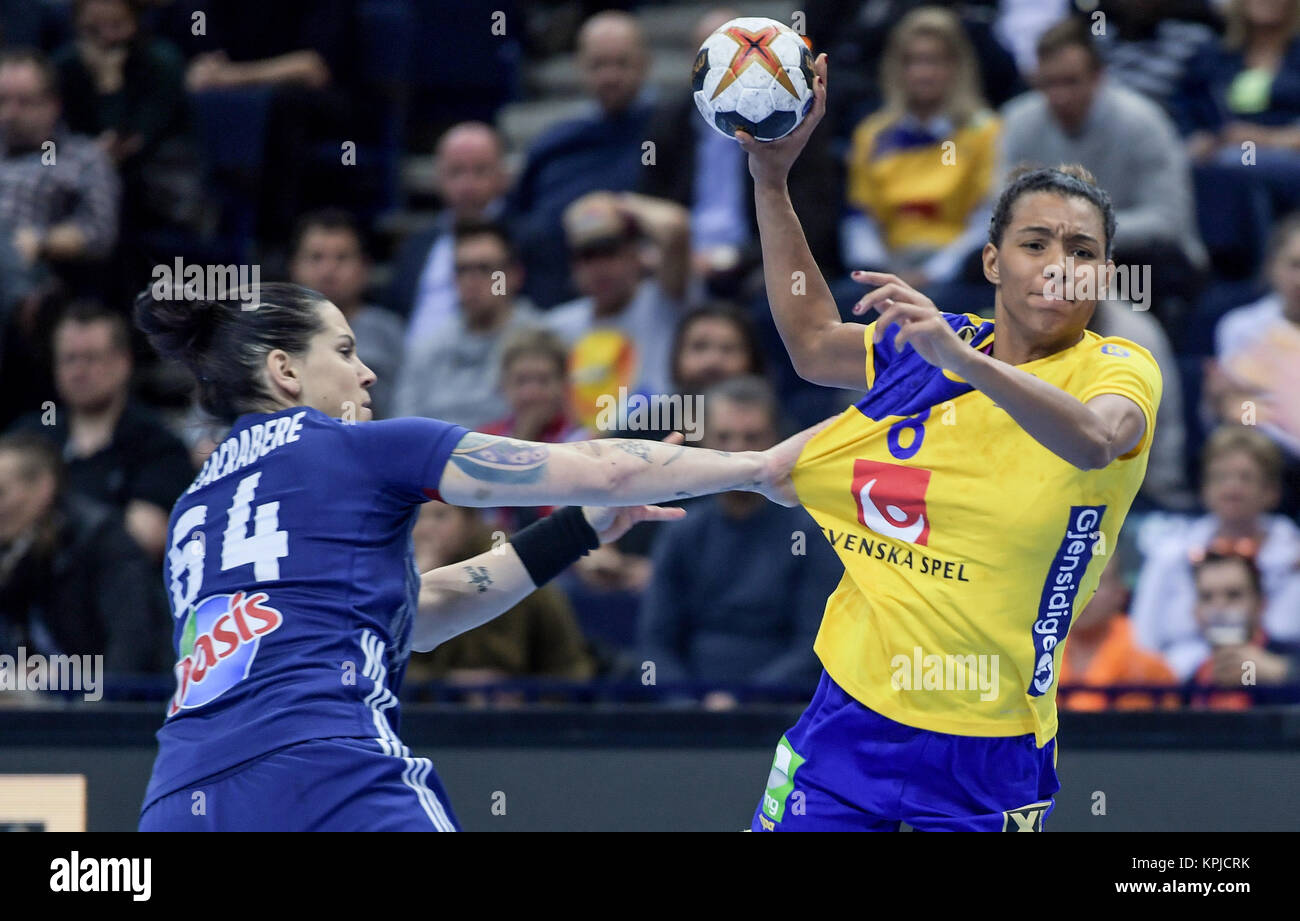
58,190
470,176
454,373
854,35
713,343
921,169
1150,45
1078,115
598,151
1102,653
301,52
1246,89
1240,489
617,330
16,287
116,451
71,582
1021,23
1165,483
127,90
739,586
1257,358
536,638
328,255
534,383
1229,601
707,173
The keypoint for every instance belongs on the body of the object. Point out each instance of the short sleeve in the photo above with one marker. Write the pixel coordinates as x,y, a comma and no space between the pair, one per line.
876,356
1127,369
407,455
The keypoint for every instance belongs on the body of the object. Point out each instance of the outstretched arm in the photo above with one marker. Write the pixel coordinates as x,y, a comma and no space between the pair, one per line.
1088,435
487,471
822,348
461,596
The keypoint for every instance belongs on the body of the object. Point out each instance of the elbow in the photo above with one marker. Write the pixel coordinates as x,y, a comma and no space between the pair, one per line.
608,480
428,633
805,363
1098,456
814,372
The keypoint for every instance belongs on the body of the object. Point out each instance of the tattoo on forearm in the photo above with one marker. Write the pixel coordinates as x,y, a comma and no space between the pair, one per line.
588,447
722,453
500,460
635,448
680,449
479,576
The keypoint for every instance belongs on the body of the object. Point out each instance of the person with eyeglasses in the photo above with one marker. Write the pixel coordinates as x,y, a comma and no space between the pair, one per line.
619,332
454,373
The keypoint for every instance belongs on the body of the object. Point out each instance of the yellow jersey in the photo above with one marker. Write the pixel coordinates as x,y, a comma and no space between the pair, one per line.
921,189
967,545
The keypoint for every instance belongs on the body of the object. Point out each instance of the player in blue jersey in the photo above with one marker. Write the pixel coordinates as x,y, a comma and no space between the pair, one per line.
294,592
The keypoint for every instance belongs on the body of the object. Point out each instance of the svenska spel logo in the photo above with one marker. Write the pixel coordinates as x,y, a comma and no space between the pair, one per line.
1111,348
218,645
891,500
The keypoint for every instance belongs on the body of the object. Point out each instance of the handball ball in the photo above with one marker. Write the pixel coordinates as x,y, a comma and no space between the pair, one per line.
754,74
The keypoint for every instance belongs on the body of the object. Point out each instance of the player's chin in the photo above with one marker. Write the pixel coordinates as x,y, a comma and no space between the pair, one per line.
358,410
1051,313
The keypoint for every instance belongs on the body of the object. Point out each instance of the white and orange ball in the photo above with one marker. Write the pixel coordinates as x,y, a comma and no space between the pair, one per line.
754,74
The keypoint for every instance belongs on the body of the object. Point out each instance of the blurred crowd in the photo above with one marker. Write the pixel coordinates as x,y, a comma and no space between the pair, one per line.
514,287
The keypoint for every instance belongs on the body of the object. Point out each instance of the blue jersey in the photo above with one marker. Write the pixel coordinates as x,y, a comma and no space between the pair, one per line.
293,587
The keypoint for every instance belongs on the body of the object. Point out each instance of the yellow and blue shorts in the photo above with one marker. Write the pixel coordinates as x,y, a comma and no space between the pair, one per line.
844,767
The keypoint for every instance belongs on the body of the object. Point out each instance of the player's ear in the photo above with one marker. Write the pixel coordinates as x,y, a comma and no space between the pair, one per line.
990,259
282,373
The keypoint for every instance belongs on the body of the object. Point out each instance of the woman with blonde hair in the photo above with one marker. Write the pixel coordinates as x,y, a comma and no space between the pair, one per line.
921,168
1245,90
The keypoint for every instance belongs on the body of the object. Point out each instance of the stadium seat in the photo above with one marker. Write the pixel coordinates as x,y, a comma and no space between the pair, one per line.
1218,298
472,76
385,45
1232,212
231,127
1191,371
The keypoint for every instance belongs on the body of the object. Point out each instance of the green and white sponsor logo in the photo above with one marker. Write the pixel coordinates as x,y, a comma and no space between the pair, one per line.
188,635
780,781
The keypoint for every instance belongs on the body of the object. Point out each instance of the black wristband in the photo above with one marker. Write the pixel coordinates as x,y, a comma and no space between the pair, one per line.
550,545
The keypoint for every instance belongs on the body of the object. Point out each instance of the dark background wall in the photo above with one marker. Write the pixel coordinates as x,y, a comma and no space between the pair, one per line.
632,769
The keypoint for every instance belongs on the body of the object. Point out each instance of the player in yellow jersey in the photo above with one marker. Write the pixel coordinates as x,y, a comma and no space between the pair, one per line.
967,495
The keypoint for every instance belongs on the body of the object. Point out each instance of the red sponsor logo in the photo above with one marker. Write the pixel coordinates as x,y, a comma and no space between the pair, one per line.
891,500
244,622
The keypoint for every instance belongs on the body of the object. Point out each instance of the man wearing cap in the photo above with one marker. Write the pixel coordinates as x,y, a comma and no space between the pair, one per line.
620,330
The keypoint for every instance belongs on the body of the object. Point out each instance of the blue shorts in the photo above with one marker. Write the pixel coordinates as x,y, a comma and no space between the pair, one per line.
844,767
338,784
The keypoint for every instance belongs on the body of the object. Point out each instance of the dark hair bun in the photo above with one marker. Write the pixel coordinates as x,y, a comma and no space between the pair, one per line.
177,328
224,343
